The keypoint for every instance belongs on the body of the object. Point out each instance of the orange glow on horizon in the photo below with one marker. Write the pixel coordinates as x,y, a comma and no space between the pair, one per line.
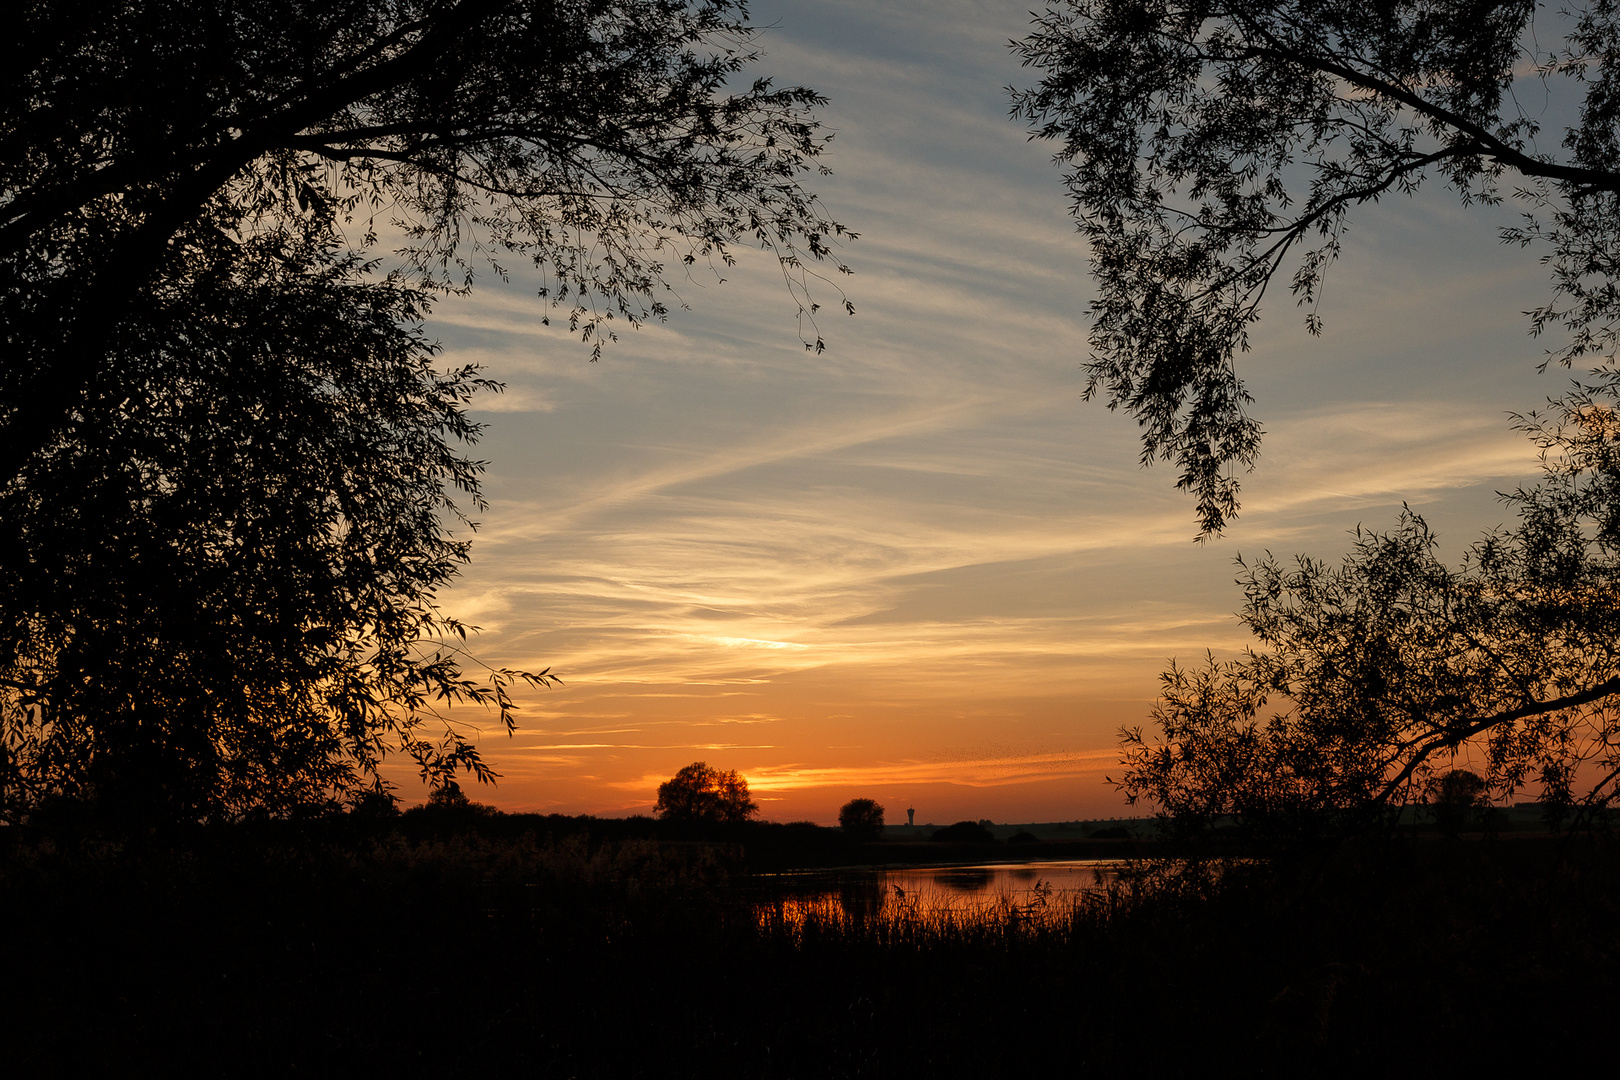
917,567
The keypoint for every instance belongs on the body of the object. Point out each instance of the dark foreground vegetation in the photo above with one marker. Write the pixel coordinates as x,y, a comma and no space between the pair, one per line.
461,943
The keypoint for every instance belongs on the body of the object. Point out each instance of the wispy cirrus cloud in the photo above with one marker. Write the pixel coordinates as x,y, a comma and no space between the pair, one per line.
924,539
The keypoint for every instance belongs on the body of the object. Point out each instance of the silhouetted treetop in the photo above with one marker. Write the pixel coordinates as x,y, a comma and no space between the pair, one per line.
698,793
539,128
596,139
1458,798
861,819
1212,147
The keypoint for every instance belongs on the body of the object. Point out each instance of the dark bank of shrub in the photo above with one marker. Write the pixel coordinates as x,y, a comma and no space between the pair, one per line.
964,832
769,845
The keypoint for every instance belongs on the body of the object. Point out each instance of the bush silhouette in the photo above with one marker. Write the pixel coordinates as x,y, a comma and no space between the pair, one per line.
965,832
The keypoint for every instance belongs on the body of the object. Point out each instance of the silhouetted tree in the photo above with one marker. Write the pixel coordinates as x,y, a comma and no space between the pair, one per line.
232,476
1457,798
1213,147
1388,664
698,793
861,819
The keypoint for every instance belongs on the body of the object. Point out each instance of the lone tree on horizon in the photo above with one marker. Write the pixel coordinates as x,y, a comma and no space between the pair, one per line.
861,819
700,793
1458,799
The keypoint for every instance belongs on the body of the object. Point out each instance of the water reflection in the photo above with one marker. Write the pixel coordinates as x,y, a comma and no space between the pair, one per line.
969,881
862,897
861,893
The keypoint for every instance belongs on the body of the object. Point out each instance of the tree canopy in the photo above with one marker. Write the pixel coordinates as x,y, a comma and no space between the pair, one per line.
1212,147
699,793
233,476
861,819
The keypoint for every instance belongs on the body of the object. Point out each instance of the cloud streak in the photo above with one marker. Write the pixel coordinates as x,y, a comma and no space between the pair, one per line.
924,539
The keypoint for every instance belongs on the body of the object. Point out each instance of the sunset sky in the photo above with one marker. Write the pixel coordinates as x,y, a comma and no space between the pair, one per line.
918,567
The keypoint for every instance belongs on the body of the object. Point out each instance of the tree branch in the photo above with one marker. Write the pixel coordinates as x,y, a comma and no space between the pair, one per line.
1490,145
1474,727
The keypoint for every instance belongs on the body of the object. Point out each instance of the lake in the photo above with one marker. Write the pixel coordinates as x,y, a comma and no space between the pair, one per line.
862,891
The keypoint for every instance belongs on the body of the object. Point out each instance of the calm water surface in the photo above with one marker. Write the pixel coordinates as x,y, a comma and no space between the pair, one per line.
927,890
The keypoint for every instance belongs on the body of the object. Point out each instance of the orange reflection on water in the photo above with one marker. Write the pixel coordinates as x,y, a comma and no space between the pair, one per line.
1032,893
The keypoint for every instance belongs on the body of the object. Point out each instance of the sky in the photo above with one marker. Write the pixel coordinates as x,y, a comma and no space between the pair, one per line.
918,567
